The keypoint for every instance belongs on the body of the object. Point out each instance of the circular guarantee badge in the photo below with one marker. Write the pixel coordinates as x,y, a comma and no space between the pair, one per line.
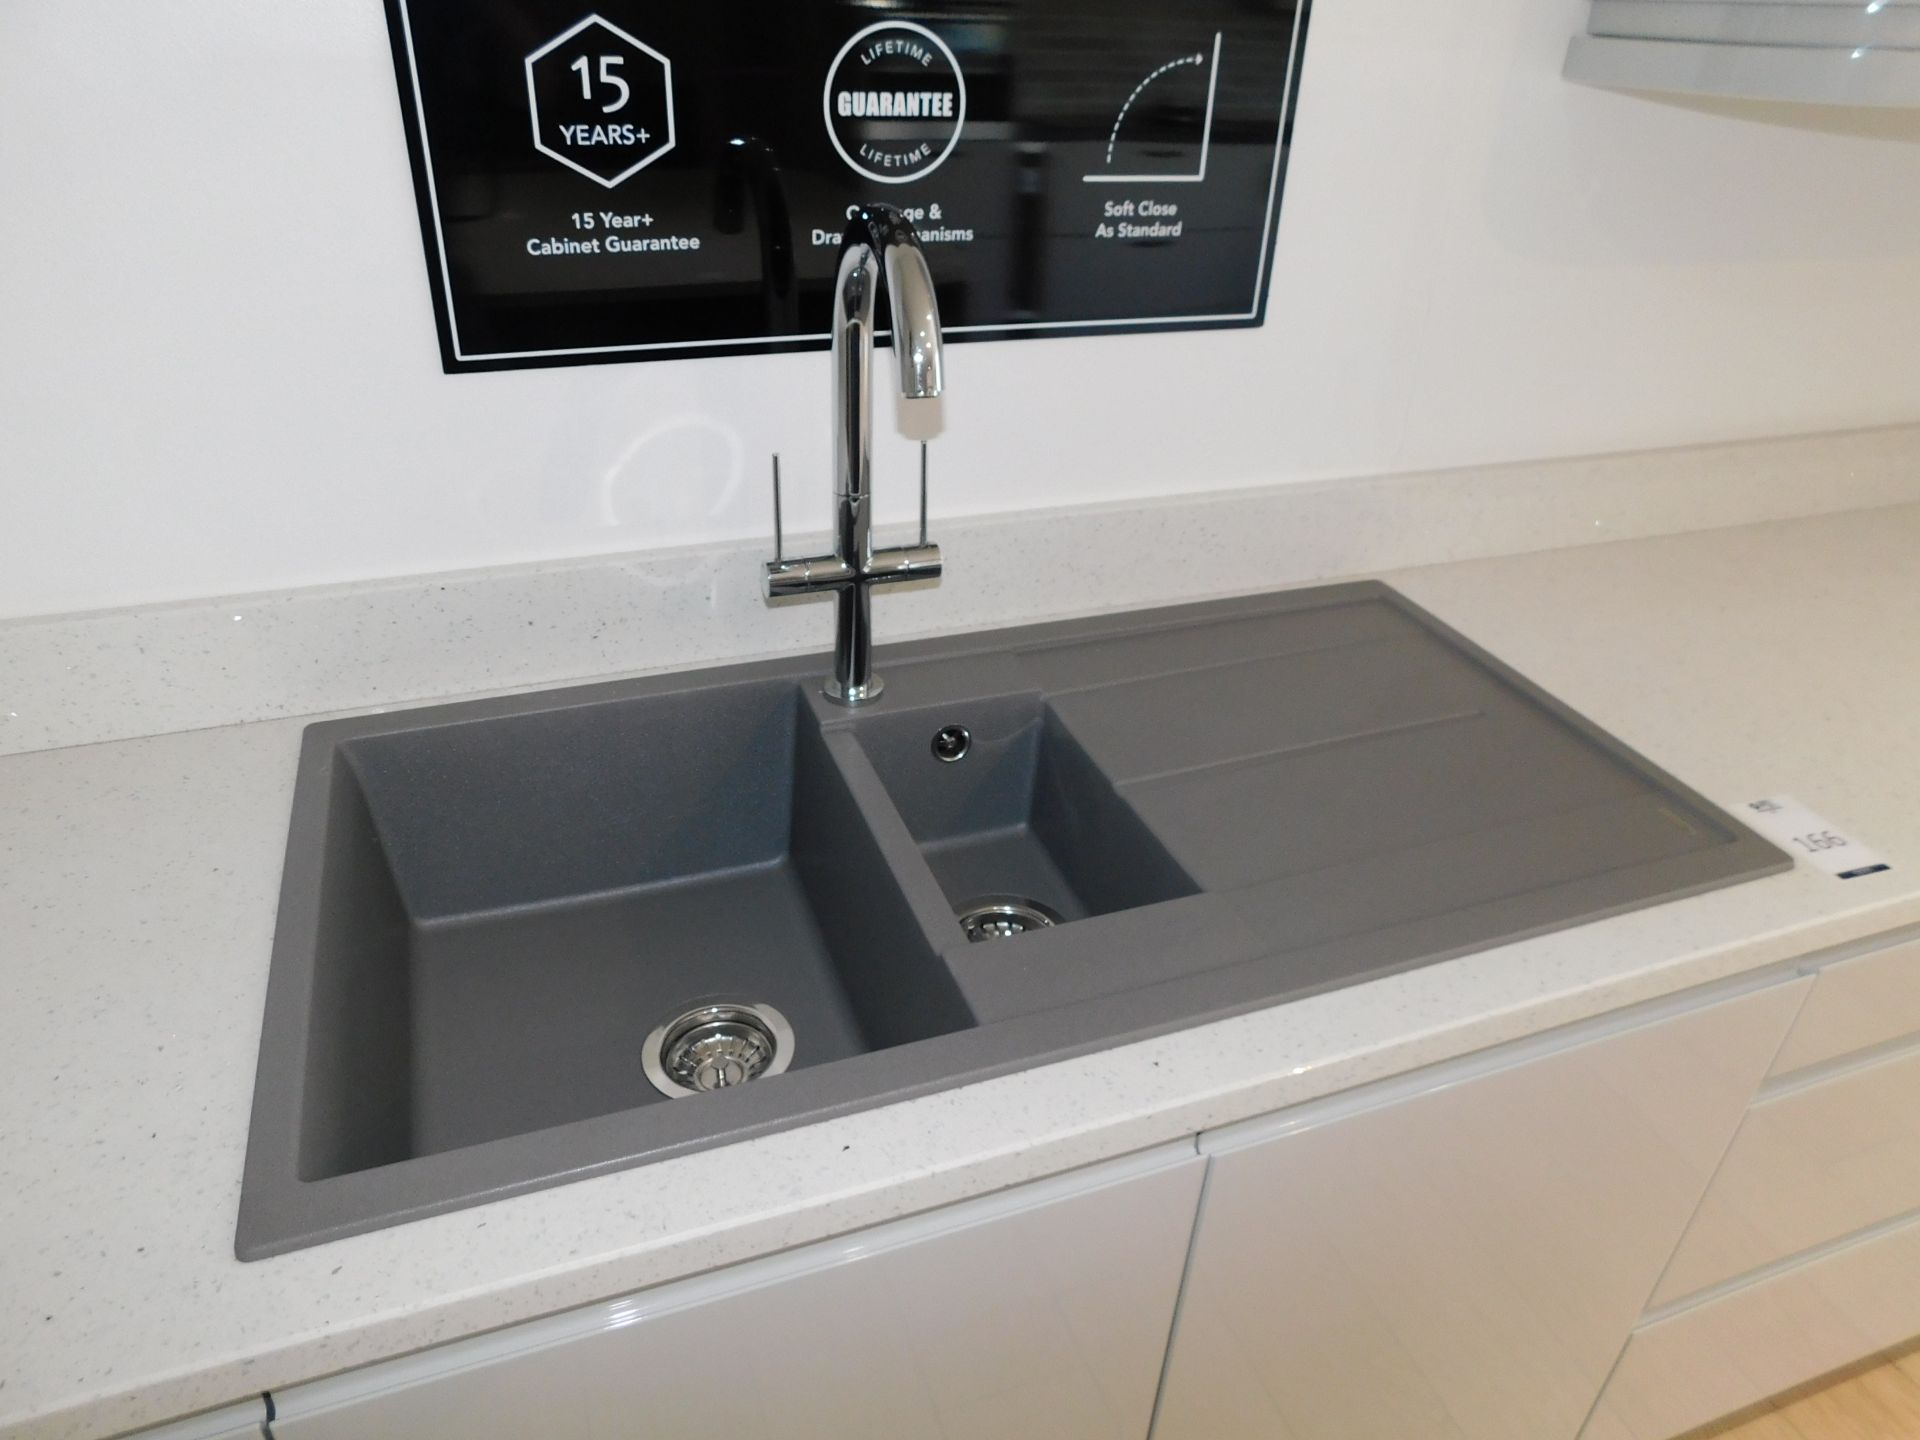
895,101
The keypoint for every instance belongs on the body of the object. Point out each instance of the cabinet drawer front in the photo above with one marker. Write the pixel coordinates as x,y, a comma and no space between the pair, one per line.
1008,1315
1730,1352
1856,1004
1807,1167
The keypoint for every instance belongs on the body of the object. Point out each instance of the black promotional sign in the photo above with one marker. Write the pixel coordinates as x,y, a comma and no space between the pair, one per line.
642,180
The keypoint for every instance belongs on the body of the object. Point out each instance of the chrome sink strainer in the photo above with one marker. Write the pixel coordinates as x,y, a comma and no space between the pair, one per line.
1001,917
714,1046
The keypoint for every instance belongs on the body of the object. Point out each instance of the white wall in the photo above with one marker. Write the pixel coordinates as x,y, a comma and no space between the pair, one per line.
218,370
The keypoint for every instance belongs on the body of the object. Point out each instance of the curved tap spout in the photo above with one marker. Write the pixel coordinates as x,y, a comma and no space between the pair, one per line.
878,237
916,314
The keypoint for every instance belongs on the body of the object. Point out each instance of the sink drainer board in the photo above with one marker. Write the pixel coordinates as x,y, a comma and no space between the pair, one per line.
504,923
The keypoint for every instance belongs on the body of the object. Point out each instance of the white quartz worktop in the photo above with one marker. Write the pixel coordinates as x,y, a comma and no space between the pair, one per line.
137,889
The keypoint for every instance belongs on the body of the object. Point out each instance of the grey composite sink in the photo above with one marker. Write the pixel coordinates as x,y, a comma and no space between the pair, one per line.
493,912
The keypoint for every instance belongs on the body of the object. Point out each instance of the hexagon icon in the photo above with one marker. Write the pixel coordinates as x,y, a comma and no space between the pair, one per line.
601,101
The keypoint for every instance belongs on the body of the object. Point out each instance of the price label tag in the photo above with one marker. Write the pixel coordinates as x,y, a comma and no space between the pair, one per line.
1806,836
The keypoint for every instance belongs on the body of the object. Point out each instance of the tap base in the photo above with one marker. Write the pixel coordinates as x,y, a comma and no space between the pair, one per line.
851,695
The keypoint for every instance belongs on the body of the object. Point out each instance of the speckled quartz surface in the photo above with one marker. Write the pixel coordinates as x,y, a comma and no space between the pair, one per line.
121,674
137,891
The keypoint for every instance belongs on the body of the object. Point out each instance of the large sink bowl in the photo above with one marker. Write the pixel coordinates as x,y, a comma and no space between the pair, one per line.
511,904
529,939
501,909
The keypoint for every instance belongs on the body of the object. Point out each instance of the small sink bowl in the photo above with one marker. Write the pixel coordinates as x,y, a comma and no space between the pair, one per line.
1024,819
504,909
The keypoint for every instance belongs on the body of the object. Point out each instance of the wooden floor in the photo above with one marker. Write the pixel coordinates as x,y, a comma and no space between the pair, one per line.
1876,1401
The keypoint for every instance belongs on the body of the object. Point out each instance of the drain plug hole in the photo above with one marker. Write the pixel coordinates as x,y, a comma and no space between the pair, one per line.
1001,917
714,1047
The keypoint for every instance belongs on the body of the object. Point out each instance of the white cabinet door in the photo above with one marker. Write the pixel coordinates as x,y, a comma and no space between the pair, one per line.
1461,1254
1041,1311
242,1421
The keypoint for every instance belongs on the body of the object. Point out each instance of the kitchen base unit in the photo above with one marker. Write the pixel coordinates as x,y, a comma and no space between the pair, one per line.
1459,1254
1804,1255
1042,1310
